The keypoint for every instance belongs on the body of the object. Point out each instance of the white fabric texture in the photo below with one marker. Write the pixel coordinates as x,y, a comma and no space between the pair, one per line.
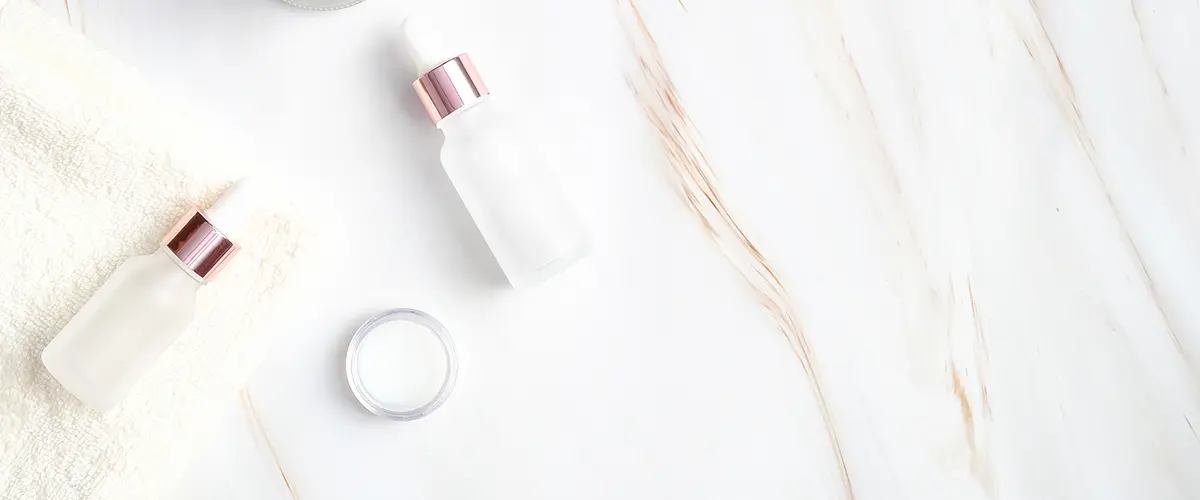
94,168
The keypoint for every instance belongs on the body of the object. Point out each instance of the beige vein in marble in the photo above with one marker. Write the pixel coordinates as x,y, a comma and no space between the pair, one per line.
837,71
981,466
677,134
261,432
1042,50
927,298
72,11
1168,109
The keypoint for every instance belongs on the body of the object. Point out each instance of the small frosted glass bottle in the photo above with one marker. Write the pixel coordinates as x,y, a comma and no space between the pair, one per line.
526,220
143,307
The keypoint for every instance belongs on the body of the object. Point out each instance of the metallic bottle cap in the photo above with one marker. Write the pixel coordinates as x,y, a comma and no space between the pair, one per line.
199,245
450,86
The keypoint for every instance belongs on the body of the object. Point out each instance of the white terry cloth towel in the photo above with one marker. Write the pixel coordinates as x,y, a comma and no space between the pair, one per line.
95,169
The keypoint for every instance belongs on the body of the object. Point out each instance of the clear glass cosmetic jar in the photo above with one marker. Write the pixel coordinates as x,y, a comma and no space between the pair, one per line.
370,387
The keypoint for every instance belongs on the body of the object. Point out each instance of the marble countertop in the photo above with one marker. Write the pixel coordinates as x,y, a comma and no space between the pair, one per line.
843,248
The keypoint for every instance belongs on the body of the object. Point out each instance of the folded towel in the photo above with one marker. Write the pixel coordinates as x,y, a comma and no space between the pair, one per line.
95,169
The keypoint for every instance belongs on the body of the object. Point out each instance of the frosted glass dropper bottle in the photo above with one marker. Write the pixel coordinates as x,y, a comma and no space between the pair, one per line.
523,215
145,305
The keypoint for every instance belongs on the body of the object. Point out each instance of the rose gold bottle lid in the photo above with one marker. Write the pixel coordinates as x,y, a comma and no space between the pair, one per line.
450,86
199,245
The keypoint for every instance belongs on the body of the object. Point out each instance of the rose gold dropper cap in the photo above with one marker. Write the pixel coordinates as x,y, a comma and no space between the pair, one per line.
201,239
448,82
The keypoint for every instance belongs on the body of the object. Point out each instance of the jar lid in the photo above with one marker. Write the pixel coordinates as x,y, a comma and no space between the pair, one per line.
401,364
323,4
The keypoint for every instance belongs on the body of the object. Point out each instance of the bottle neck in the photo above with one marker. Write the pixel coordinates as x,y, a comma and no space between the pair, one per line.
181,265
464,116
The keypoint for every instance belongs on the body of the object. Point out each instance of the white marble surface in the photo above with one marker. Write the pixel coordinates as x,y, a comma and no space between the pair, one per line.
982,218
